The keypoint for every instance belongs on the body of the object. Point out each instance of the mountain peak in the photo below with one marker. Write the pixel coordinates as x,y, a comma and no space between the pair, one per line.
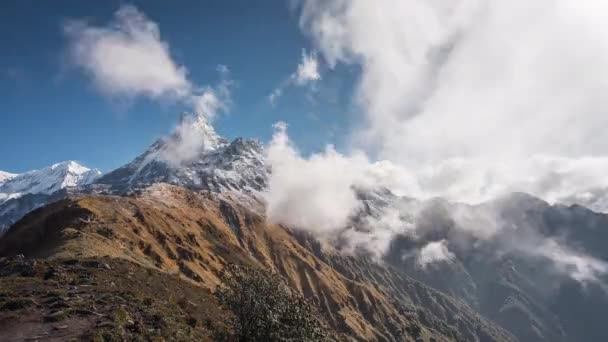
72,167
224,166
47,180
4,176
196,157
195,129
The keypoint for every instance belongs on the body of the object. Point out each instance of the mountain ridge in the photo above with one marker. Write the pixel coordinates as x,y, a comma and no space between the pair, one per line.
195,234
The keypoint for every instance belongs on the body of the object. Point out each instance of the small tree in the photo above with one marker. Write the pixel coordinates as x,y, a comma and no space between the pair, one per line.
265,309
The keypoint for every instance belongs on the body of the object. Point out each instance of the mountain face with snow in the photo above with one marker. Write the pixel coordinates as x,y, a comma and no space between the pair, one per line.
22,193
194,157
213,164
4,176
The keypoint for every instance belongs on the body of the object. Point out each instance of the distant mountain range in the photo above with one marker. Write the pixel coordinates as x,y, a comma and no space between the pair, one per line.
21,193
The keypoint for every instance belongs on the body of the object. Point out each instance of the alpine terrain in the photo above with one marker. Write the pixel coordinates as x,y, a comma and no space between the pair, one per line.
137,253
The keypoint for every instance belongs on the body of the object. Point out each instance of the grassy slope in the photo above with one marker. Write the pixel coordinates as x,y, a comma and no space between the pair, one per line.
193,236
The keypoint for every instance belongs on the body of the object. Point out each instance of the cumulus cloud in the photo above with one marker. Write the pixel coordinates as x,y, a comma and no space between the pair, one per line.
315,193
472,82
127,58
435,251
320,194
466,100
306,74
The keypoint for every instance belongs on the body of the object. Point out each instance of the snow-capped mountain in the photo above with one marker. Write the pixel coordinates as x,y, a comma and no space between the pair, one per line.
22,193
216,164
4,176
47,181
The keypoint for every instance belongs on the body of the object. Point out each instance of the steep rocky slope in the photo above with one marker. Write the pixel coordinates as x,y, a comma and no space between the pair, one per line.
538,270
177,231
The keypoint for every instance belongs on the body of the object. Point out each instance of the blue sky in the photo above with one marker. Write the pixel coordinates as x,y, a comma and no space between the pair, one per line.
461,99
50,111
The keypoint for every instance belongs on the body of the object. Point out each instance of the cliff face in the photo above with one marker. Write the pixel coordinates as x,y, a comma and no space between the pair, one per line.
174,231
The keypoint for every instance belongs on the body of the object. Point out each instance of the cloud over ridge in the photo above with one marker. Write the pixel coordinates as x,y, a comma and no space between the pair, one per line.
467,100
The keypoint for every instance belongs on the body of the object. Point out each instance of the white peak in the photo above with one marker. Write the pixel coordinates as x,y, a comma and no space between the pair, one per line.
192,139
71,167
48,180
195,128
5,176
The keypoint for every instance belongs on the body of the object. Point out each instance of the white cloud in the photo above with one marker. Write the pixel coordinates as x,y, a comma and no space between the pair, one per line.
306,74
318,194
433,252
466,99
127,57
308,69
472,82
275,95
314,193
579,266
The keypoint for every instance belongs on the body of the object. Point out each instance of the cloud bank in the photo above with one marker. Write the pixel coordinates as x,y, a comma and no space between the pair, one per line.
467,100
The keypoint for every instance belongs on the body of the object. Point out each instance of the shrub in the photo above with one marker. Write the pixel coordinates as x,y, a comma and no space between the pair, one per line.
265,309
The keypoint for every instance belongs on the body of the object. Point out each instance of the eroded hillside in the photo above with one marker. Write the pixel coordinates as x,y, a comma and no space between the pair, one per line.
194,235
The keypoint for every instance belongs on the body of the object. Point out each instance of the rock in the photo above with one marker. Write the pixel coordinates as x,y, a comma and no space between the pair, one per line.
16,304
55,273
192,321
83,312
106,266
37,337
56,316
105,324
91,264
59,304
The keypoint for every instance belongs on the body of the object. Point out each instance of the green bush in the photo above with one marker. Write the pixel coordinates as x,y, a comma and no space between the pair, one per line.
265,309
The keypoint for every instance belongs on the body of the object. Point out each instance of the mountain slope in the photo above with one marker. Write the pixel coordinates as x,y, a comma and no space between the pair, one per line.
532,271
172,229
